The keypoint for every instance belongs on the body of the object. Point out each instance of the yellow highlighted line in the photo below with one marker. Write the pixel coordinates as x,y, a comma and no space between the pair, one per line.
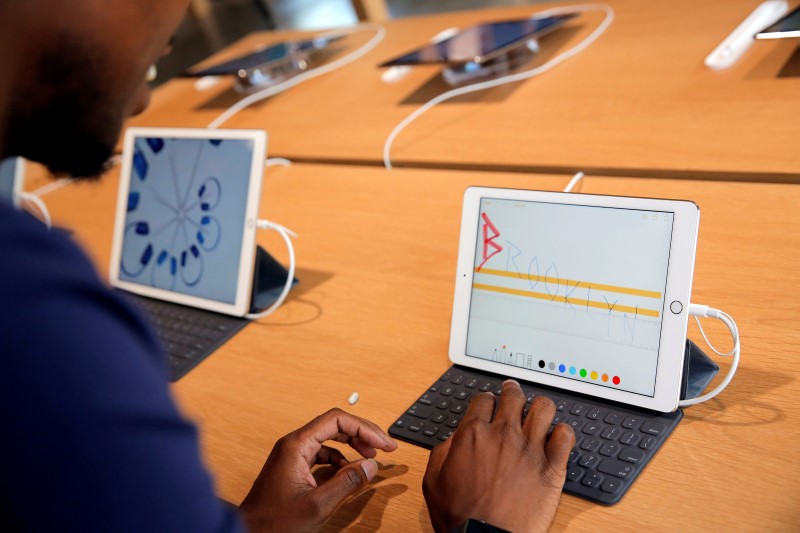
572,283
574,301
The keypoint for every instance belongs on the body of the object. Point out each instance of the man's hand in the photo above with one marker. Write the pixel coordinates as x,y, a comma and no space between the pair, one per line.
500,470
285,496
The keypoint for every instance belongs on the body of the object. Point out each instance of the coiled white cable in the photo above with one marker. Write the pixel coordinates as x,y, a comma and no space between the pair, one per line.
705,311
263,94
511,78
285,233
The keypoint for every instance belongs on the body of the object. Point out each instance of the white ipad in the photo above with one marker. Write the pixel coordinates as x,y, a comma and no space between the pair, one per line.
580,292
12,172
186,216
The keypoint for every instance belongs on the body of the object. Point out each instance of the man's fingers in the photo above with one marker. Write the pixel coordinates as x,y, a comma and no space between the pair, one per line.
537,423
511,403
346,482
330,456
339,425
480,408
561,442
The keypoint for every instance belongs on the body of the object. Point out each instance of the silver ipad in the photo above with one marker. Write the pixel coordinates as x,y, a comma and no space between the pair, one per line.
186,216
585,293
12,171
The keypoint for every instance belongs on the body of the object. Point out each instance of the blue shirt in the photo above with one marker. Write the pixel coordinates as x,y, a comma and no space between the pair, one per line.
90,439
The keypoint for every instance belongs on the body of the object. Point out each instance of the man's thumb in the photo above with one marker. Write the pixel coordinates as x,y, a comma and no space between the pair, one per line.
345,483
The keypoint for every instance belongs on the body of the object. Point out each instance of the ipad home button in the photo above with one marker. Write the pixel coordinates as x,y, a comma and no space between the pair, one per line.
676,307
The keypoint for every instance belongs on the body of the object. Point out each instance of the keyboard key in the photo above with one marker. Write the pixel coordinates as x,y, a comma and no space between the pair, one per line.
651,427
434,388
439,418
444,405
529,397
420,411
589,460
609,449
498,390
431,431
427,399
452,423
401,422
592,480
576,424
447,391
613,418
486,387
590,445
573,456
630,438
595,414
463,395
563,405
611,433
616,468
631,455
446,435
578,409
458,380
446,376
458,408
560,419
574,473
592,428
416,426
471,384
648,443
631,422
611,486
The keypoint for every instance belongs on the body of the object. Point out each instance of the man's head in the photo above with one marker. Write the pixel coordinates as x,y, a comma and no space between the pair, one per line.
72,72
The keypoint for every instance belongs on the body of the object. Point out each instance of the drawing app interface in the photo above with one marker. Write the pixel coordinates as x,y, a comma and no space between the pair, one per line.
572,291
185,220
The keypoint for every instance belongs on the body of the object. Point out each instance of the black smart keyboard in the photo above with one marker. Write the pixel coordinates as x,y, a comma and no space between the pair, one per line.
187,334
613,443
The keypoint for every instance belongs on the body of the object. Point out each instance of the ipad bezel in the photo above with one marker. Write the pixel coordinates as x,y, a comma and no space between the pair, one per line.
17,179
678,288
241,305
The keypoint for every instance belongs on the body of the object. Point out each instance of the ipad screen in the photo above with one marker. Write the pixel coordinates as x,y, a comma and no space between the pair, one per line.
570,290
186,214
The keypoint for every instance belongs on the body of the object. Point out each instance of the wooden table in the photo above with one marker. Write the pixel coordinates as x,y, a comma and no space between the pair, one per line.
638,102
376,257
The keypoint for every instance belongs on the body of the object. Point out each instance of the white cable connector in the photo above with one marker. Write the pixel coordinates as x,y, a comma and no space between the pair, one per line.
696,311
277,161
511,78
263,94
285,233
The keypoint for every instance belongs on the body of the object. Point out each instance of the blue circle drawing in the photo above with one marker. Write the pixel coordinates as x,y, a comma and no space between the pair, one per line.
189,228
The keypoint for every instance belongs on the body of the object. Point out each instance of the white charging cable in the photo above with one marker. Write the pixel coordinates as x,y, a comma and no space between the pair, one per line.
263,94
576,179
696,311
285,233
32,199
511,78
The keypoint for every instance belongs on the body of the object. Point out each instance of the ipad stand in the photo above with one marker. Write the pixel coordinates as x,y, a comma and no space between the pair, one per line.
269,277
499,65
698,371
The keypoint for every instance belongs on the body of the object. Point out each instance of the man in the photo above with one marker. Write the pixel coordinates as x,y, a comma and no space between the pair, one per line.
92,440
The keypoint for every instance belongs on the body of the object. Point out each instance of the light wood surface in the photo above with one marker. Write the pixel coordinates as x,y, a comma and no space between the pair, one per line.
376,254
639,101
